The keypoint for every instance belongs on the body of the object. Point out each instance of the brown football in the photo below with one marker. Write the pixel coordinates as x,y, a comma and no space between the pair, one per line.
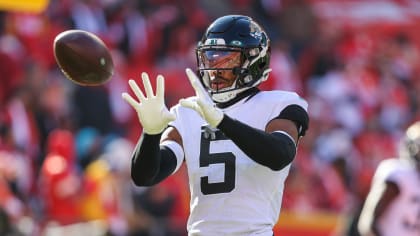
83,57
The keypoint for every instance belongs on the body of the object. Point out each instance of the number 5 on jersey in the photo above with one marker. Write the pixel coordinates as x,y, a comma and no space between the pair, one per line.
228,159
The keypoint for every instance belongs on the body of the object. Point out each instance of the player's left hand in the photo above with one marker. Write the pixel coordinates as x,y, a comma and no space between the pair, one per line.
202,103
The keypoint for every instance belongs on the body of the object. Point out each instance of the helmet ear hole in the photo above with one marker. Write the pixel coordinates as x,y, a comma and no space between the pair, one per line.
254,52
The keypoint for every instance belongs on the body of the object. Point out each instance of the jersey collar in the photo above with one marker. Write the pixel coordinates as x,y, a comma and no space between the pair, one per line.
247,93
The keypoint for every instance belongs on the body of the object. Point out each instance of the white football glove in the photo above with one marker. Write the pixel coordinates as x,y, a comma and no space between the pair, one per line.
154,116
202,103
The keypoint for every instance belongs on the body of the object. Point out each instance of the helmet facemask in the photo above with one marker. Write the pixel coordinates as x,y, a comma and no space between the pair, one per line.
242,63
228,35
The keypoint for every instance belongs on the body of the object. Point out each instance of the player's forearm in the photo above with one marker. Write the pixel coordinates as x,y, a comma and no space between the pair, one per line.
275,150
151,163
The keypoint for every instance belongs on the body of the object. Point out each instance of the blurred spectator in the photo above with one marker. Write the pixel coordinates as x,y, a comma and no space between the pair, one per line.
59,182
298,25
92,108
88,146
52,109
11,77
100,197
159,203
89,15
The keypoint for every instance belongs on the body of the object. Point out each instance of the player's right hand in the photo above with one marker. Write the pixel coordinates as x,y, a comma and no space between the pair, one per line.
153,114
202,103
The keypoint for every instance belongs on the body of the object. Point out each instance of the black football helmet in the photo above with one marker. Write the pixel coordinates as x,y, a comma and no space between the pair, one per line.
234,33
410,148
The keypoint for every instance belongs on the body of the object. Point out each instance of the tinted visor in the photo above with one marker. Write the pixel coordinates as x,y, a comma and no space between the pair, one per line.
219,59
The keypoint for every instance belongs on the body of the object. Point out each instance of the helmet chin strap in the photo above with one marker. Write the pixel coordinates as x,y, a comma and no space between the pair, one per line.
228,95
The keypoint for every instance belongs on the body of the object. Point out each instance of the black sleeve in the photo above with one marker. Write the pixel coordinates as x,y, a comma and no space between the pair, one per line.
151,163
298,115
275,150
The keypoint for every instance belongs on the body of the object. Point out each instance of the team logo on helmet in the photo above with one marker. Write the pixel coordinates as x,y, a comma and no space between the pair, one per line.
255,31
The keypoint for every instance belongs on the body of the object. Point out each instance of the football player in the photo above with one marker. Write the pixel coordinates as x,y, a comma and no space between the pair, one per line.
237,142
392,206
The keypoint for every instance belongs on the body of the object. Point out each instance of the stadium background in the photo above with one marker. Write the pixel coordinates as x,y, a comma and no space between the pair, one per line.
356,62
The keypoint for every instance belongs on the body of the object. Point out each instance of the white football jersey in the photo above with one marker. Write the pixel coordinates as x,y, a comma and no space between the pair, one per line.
230,193
402,218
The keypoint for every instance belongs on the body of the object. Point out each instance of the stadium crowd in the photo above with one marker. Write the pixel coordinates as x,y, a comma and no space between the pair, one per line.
65,149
